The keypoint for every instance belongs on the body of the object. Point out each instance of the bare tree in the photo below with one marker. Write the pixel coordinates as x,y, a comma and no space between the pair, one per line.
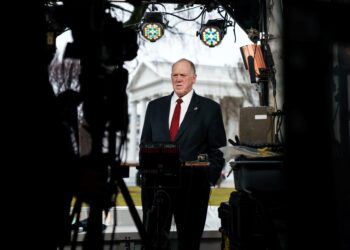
64,74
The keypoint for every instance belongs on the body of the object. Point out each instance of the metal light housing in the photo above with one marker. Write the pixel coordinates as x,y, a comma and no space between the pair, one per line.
212,33
152,27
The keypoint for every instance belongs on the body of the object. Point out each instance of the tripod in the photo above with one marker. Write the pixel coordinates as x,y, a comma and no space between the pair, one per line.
101,177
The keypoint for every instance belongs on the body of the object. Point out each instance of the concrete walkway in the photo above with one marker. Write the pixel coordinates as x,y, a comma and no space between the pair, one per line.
127,237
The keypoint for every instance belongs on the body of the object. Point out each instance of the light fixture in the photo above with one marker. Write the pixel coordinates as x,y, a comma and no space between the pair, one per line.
152,27
212,33
254,61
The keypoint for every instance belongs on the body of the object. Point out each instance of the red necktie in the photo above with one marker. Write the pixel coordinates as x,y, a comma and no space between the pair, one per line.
174,127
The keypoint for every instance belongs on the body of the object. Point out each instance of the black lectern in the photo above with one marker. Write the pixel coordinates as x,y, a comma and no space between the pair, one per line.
160,165
160,174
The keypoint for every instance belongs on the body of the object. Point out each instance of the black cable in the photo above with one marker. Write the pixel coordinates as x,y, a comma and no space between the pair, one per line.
200,6
153,6
185,19
279,123
159,192
234,30
162,211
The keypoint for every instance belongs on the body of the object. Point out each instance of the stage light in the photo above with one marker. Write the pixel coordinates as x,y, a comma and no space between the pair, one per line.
254,61
212,33
152,27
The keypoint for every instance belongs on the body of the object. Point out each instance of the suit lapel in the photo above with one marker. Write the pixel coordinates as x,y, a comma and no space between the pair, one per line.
190,115
164,119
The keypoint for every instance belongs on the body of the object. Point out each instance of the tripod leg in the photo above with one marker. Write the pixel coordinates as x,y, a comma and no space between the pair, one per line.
76,212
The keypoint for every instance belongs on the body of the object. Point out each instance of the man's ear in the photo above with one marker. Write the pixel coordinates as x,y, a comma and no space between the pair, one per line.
194,78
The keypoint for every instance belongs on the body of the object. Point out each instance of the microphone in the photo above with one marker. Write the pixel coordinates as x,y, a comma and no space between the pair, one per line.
234,143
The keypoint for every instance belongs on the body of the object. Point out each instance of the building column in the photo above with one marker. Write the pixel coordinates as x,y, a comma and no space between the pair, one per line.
143,105
133,135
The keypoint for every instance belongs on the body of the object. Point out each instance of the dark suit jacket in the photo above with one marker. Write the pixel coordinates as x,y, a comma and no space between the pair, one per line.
201,132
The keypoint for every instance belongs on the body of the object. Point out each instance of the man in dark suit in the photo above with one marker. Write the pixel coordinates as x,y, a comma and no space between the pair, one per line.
200,131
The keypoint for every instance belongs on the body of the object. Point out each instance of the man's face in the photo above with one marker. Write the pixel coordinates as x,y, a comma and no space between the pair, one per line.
182,78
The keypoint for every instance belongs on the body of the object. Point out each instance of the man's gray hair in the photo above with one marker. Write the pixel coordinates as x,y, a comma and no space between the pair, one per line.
190,62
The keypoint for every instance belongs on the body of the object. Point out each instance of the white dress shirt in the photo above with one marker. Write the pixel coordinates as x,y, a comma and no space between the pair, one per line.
186,99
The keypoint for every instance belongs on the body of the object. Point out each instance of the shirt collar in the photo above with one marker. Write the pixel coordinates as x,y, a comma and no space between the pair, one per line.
186,98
